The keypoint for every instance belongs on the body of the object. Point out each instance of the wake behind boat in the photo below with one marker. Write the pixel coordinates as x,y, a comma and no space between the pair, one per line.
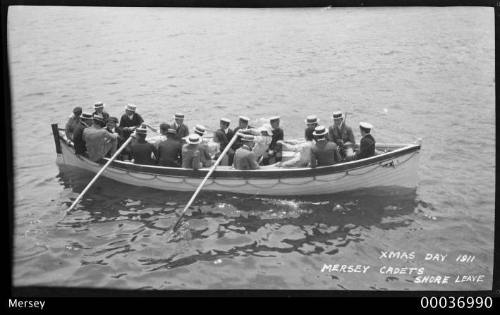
395,165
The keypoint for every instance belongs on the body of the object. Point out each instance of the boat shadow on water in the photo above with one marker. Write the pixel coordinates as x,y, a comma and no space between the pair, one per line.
234,224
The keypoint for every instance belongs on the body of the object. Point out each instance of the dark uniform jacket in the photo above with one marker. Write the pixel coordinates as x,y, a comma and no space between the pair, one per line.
118,132
238,143
224,138
308,133
136,121
79,143
277,135
345,134
366,147
182,130
324,153
141,152
244,159
170,153
103,114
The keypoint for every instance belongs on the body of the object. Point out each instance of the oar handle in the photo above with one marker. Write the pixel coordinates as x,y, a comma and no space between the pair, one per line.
221,156
99,173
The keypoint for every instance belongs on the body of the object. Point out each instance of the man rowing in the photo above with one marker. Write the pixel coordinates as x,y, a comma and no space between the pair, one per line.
340,133
244,158
98,141
242,125
112,127
142,151
170,150
129,121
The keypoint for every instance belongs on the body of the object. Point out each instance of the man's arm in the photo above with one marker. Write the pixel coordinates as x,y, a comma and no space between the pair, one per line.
69,128
252,158
139,120
336,155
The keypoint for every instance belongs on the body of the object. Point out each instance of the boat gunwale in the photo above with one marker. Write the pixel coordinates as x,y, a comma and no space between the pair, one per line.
254,174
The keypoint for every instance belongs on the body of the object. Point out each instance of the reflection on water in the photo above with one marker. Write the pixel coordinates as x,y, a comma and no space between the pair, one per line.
136,222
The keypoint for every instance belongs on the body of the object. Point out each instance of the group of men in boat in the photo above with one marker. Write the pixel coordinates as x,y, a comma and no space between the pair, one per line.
97,135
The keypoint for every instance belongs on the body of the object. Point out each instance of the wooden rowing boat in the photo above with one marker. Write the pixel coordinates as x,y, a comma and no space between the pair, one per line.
395,166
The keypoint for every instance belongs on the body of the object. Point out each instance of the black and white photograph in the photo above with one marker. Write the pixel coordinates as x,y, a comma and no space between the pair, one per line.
191,148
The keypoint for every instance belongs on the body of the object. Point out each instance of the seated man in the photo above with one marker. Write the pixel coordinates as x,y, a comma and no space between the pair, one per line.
303,156
311,122
274,153
242,125
78,141
170,150
244,158
142,151
73,122
111,127
191,153
340,133
156,140
222,136
180,127
98,141
130,120
367,143
323,152
262,139
99,110
205,157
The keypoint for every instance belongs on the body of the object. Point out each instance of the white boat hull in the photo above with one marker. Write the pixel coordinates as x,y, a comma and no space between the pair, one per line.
395,171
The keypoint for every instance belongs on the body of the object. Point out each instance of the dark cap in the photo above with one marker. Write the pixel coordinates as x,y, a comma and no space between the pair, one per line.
77,109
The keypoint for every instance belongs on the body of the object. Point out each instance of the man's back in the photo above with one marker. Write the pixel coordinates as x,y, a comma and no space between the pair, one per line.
141,152
190,157
71,125
79,142
95,142
205,157
324,153
366,147
169,153
245,160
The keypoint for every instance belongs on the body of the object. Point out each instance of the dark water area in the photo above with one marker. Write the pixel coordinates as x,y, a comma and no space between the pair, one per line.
412,72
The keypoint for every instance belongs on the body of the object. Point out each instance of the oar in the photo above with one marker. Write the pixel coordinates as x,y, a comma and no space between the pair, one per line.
205,179
99,173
